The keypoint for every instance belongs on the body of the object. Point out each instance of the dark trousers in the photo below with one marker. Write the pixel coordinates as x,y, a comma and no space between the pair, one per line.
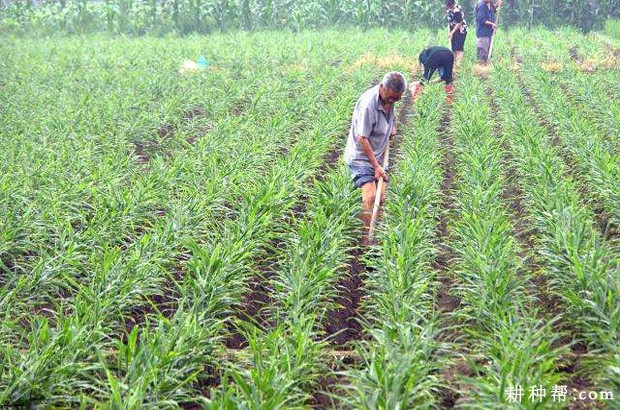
442,62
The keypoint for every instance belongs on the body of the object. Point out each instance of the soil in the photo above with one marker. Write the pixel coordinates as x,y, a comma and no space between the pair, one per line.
165,304
195,112
251,310
165,131
450,397
145,150
326,386
609,230
575,380
329,387
142,156
446,301
211,377
575,55
330,161
199,133
255,304
342,324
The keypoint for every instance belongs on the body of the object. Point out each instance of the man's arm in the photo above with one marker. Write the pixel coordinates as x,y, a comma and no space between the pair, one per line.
379,171
481,15
489,21
365,124
368,151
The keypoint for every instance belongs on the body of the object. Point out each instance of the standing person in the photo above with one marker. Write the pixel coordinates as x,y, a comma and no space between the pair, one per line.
485,27
457,29
440,59
371,128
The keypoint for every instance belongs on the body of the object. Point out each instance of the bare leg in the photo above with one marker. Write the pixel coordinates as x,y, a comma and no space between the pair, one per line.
459,56
382,201
369,191
449,94
416,91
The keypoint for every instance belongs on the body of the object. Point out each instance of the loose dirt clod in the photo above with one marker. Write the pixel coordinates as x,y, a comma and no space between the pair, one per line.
165,131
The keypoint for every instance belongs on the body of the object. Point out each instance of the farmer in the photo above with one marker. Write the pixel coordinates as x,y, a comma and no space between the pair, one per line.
457,28
371,128
485,27
436,58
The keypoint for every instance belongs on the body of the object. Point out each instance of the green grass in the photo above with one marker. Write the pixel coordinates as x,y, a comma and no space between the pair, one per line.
139,208
612,28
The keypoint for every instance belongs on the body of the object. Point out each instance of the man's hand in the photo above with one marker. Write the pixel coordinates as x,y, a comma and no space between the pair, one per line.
380,172
499,4
416,89
394,132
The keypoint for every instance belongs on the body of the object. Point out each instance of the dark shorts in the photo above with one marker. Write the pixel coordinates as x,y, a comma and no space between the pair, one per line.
363,174
458,41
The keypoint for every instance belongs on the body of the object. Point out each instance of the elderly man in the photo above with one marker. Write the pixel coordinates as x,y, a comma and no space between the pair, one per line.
372,125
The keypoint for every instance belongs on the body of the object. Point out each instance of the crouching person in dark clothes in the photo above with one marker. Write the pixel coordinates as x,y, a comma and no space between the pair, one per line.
439,59
372,126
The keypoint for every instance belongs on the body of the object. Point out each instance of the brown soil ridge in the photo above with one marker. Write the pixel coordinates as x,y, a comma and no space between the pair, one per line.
342,324
147,149
253,308
446,301
165,304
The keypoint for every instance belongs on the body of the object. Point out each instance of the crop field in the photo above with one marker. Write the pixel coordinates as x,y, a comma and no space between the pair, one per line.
193,241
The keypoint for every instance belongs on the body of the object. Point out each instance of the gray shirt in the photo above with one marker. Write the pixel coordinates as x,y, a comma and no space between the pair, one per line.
373,122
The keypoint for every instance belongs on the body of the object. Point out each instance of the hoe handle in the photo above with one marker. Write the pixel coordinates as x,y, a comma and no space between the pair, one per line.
375,210
494,34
